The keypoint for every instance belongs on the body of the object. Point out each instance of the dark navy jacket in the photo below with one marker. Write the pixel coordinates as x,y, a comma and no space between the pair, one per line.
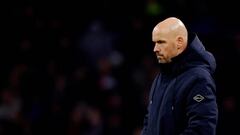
182,99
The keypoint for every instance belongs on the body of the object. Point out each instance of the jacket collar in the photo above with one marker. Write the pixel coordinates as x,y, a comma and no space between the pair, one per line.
194,55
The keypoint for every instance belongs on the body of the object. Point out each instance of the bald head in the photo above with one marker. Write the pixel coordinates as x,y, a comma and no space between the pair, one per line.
172,26
170,38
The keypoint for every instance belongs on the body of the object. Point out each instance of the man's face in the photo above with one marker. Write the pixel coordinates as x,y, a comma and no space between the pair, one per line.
165,46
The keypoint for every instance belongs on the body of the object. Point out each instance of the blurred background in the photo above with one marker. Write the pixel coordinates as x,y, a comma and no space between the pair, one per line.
86,67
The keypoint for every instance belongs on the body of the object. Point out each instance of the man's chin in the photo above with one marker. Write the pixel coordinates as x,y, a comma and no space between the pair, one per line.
161,62
164,61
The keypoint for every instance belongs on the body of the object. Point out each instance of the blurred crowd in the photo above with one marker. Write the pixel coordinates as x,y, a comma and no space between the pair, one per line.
86,68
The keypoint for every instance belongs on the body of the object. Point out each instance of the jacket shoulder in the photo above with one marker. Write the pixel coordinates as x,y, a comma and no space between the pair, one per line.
199,73
201,76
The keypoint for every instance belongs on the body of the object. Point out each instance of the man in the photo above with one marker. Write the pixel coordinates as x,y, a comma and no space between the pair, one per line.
182,99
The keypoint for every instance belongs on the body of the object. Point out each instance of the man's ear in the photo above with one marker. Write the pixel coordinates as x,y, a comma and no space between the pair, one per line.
180,42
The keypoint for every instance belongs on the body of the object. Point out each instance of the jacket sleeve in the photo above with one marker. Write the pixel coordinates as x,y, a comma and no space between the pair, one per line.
201,110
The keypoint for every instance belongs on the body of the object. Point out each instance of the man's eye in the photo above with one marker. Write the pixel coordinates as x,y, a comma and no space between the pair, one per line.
159,42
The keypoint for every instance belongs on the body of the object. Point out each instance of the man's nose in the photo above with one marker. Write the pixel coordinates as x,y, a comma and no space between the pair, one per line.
155,49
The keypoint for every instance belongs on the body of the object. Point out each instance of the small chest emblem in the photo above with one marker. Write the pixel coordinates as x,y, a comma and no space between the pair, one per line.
198,98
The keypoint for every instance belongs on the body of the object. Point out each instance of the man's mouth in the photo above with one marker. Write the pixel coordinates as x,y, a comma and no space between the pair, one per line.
159,56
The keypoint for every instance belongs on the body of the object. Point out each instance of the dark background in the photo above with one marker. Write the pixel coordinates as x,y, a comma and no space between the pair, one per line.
86,67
